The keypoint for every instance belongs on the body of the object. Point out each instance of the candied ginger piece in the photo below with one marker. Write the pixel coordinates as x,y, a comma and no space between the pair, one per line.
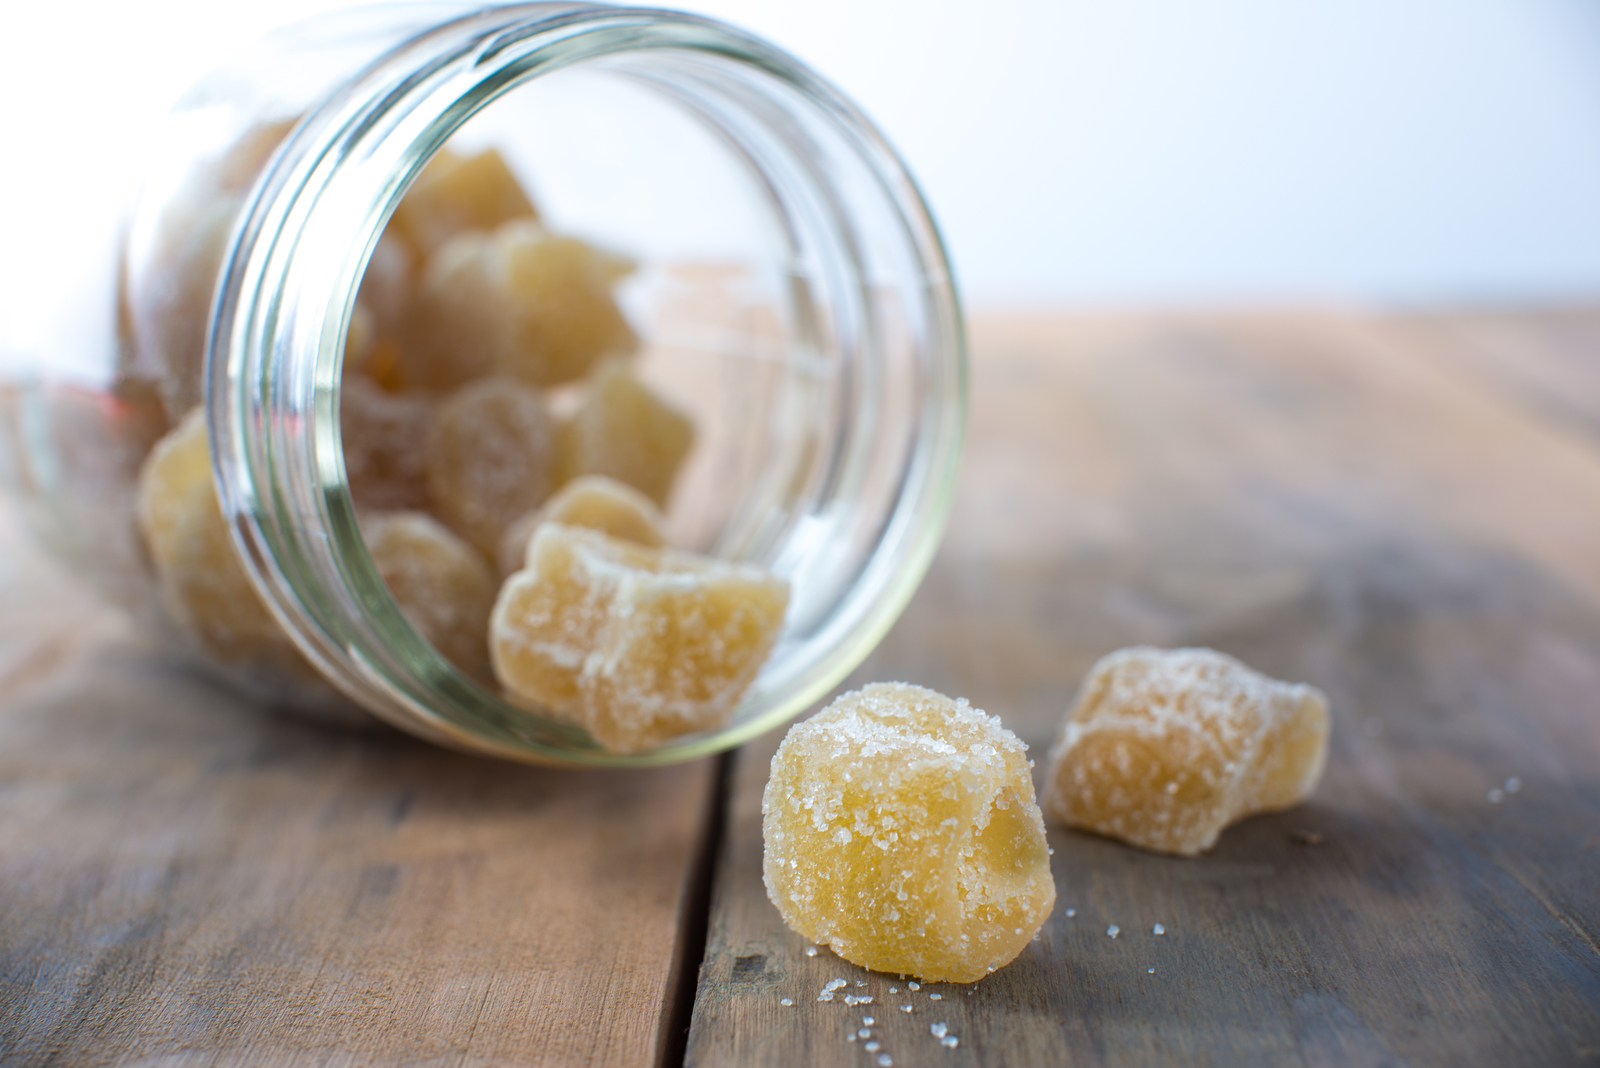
383,435
455,193
595,503
457,323
490,457
168,300
626,432
638,645
238,168
1165,748
385,296
519,301
901,830
565,315
202,583
442,585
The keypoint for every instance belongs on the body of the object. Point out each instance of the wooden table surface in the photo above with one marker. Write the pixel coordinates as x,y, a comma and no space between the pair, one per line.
1404,511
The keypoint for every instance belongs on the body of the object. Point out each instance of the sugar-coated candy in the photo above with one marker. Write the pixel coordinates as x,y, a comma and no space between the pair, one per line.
203,585
901,829
456,193
167,303
237,169
595,503
1165,748
384,435
383,302
638,645
443,585
490,457
624,431
564,317
456,323
518,301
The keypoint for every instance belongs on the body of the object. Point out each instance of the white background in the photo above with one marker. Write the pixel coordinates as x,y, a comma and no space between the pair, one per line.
1076,152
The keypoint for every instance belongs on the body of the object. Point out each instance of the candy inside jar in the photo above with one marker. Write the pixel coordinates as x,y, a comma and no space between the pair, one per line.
399,320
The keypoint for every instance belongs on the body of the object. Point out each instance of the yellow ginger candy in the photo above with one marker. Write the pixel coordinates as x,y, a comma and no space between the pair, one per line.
518,301
901,830
442,585
490,457
595,503
202,583
384,435
638,645
1165,748
456,193
626,432
167,303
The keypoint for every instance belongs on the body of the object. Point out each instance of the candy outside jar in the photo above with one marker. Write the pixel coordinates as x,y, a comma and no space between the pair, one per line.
298,433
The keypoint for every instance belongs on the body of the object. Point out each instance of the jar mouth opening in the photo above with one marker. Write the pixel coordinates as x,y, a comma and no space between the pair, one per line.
870,365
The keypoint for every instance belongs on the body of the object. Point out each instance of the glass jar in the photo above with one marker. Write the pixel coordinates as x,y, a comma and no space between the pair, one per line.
789,292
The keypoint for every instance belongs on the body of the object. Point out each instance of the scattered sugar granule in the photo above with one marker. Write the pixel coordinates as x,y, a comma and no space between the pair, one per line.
1165,748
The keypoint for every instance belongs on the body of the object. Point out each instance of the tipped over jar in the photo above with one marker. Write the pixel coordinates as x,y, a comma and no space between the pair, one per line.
564,382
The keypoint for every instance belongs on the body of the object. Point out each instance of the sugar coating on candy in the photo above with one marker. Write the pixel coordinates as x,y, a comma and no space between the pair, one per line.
1165,748
638,645
901,829
203,586
384,435
490,457
457,193
593,502
624,431
443,585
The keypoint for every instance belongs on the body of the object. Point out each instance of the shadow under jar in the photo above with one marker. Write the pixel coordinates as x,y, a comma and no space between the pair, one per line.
780,289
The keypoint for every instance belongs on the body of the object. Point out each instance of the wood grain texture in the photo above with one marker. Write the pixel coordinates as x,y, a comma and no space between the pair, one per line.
189,880
1360,503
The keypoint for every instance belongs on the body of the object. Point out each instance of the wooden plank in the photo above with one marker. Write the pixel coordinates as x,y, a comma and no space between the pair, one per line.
186,879
1313,493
